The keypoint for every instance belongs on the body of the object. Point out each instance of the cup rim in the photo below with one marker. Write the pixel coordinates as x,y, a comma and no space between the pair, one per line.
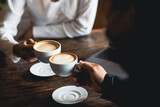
76,59
43,41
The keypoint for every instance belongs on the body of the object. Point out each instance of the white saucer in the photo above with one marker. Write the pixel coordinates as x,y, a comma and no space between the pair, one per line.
42,70
69,95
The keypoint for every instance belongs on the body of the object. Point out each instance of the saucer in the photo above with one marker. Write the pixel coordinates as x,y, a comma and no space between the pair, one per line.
42,70
69,95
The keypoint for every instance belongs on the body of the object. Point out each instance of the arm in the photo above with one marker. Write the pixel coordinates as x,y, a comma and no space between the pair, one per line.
115,89
8,28
112,87
82,25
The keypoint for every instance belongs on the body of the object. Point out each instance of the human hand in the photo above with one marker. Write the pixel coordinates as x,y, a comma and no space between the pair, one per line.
25,50
27,34
90,74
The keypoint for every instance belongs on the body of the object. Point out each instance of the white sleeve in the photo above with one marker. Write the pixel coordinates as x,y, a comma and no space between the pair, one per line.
6,43
81,26
8,28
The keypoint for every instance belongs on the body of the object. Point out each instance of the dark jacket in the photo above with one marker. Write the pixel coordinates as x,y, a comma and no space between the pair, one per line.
135,53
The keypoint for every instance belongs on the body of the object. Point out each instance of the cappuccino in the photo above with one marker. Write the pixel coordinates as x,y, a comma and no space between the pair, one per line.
63,64
46,46
63,58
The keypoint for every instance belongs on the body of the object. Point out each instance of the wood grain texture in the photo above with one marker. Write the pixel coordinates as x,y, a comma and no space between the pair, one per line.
18,87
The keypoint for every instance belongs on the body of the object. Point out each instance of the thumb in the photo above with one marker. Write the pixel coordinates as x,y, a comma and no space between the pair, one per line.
30,41
87,65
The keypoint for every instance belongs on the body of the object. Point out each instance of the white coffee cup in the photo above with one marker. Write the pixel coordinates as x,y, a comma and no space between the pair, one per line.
46,48
63,64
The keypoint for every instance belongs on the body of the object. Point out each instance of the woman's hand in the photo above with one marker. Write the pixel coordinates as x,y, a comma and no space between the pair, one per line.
25,50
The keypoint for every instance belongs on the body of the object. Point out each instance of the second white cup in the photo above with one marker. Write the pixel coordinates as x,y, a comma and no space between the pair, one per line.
63,64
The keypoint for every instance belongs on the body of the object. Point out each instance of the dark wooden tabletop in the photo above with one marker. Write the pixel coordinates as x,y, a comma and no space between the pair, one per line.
18,87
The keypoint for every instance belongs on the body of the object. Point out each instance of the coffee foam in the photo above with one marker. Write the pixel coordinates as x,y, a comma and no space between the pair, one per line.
46,46
63,58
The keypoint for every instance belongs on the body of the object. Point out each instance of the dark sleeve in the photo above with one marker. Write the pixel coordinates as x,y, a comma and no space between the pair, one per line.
115,89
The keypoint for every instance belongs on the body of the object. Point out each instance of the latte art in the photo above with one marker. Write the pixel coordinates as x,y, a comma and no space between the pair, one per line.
63,64
63,58
46,46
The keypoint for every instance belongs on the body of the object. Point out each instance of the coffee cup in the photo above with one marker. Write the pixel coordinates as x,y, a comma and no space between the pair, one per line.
63,64
46,48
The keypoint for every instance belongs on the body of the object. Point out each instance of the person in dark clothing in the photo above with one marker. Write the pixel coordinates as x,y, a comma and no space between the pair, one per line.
128,37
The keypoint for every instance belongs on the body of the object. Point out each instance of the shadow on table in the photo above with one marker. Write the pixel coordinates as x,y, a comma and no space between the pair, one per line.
86,103
27,76
50,103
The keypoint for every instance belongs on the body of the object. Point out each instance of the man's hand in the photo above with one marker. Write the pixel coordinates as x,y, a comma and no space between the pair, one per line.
93,77
25,50
27,34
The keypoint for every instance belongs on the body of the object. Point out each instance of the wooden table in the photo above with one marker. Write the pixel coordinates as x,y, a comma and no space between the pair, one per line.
18,87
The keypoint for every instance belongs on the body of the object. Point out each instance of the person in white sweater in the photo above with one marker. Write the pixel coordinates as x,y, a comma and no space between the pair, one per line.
46,19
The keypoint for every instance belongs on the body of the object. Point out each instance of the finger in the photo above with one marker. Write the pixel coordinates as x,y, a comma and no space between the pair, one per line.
28,48
31,54
77,84
74,79
80,62
27,51
33,59
30,41
85,64
27,55
25,43
30,59
88,66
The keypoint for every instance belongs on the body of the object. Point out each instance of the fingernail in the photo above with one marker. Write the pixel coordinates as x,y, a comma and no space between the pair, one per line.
80,62
74,79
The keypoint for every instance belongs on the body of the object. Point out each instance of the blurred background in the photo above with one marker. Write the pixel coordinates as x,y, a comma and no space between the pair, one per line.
2,3
99,22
